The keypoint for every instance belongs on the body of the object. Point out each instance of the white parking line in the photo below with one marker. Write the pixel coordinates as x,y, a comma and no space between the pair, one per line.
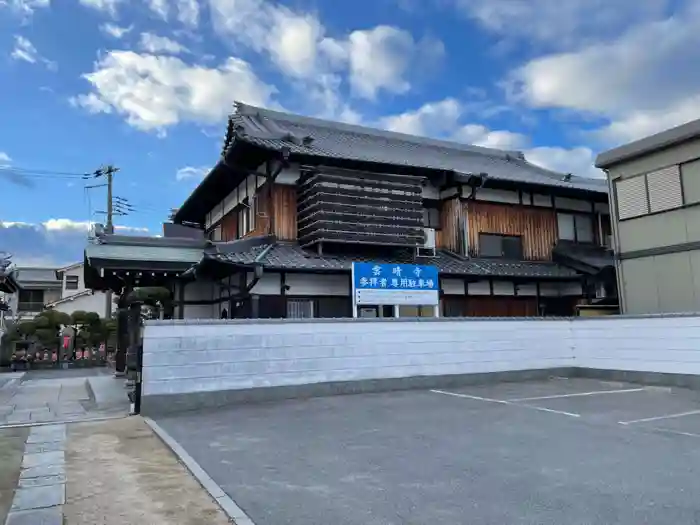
504,402
657,418
580,394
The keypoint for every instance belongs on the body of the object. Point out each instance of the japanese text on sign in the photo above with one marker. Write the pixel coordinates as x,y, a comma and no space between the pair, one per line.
389,283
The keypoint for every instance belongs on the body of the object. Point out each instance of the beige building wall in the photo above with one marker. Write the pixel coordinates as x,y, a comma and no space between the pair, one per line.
659,250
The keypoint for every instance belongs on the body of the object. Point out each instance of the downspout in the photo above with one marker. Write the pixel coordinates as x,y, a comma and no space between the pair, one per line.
259,268
612,203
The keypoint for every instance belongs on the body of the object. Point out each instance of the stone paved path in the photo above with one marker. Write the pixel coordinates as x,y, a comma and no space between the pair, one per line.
41,493
58,396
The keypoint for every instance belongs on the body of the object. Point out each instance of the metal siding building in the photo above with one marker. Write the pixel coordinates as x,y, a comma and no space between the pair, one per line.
655,207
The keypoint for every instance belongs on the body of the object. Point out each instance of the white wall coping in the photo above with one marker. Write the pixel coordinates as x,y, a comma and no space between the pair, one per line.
180,322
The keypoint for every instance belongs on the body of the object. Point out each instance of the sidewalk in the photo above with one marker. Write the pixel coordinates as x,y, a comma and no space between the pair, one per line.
114,472
47,396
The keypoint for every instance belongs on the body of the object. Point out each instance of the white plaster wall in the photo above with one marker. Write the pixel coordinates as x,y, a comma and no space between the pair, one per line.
305,284
96,302
197,357
198,291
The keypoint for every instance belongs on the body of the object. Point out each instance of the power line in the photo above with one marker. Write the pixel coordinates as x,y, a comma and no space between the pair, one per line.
43,173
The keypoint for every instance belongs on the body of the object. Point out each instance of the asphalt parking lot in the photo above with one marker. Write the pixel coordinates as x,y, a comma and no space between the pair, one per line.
575,451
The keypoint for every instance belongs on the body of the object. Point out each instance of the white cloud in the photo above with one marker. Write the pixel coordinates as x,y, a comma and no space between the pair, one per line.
645,80
5,159
190,172
577,161
25,51
153,92
25,7
480,135
159,7
114,30
445,119
561,23
106,6
55,242
380,58
188,12
297,42
160,44
91,102
432,119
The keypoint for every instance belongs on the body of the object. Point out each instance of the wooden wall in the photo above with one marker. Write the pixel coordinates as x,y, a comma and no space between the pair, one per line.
284,205
537,226
229,226
448,235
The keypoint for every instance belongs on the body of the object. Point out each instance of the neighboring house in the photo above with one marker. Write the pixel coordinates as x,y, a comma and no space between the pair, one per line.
62,289
655,196
75,296
295,200
37,286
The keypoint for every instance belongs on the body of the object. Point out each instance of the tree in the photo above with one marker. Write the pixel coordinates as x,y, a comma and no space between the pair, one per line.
48,325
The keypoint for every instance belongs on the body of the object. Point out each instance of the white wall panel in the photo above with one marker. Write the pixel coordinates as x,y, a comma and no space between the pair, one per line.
305,284
452,286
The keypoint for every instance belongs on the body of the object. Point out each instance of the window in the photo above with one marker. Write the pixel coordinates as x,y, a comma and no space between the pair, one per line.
30,301
246,216
653,192
506,246
300,308
72,282
575,227
431,218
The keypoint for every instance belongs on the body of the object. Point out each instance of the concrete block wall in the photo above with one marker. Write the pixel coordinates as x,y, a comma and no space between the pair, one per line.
202,356
198,358
659,344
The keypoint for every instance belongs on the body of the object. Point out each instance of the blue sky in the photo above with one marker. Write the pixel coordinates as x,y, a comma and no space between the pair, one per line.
146,85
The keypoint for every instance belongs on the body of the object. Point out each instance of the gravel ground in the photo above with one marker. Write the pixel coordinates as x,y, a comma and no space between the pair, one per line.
120,473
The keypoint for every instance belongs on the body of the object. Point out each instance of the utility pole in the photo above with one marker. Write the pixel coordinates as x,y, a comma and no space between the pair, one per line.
109,172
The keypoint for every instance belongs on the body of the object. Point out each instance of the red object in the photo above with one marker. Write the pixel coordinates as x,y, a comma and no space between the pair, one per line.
79,354
66,341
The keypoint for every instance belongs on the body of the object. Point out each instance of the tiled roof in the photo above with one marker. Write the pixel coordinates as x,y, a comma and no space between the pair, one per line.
594,256
125,252
290,256
37,276
273,129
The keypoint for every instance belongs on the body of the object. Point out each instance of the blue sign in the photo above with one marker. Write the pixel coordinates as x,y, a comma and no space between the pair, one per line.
380,284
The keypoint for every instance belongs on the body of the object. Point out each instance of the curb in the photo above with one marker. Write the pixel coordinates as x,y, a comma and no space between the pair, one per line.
233,511
90,391
62,421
